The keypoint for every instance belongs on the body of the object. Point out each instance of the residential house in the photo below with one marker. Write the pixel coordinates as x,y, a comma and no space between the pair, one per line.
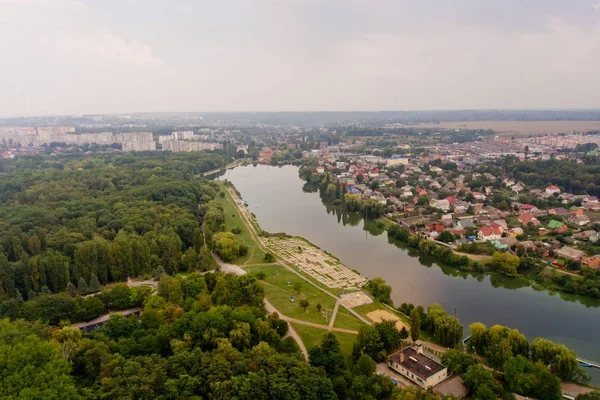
486,234
580,220
588,235
570,253
591,262
434,226
527,208
320,169
502,223
552,189
527,219
560,211
443,204
373,173
465,223
557,226
576,210
517,188
479,196
514,232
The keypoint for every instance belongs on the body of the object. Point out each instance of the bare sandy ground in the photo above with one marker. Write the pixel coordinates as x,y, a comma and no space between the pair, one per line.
380,315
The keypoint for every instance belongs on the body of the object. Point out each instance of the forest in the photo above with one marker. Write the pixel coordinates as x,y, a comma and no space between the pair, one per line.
75,222
570,175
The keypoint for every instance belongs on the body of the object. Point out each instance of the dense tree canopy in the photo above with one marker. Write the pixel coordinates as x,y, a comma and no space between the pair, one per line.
103,218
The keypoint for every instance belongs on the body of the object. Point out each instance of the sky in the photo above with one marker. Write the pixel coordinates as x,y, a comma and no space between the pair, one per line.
119,56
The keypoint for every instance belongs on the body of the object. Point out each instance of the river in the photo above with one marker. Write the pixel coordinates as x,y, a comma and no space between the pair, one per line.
275,196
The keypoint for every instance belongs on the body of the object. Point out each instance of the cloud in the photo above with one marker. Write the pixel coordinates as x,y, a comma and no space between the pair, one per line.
144,55
185,8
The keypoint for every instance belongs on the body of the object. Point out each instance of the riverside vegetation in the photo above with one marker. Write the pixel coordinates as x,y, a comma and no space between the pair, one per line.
200,335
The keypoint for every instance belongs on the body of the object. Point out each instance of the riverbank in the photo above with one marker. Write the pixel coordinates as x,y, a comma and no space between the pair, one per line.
538,276
280,283
276,197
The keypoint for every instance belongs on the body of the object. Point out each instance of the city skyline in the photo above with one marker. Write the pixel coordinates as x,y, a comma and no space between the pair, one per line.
82,57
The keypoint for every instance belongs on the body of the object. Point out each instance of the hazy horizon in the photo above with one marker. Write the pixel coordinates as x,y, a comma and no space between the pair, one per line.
70,57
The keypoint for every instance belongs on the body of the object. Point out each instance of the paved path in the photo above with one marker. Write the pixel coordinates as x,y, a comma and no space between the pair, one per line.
254,235
228,268
291,332
214,171
334,313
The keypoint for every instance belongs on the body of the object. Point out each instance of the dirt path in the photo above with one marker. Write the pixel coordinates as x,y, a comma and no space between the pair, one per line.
474,257
562,271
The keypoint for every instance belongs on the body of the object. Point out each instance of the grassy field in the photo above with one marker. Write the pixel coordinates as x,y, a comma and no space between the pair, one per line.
279,285
345,320
233,220
312,337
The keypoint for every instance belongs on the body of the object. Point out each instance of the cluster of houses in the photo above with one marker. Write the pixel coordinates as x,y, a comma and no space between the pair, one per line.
431,200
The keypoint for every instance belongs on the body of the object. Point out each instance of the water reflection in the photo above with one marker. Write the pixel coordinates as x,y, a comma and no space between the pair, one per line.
283,203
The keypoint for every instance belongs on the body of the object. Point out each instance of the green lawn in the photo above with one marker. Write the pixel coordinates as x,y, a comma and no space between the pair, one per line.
279,286
312,337
234,220
345,320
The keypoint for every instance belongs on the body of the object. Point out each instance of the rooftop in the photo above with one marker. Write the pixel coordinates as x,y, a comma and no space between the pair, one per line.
417,363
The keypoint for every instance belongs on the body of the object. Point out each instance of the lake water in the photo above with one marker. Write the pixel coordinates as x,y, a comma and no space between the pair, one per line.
276,197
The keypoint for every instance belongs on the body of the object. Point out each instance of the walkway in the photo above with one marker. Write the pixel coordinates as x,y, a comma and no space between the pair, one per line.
291,332
214,171
244,213
334,313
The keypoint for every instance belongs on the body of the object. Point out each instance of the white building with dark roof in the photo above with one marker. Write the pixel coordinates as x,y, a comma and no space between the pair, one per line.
418,367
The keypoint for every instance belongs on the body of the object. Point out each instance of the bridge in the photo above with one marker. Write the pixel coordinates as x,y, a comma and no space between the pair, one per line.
593,364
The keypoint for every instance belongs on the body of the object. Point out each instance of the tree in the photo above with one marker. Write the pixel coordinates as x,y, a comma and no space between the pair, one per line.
478,339
595,395
458,361
415,325
304,303
477,376
389,334
319,307
529,379
369,341
365,366
561,360
446,237
269,257
328,355
380,290
297,286
31,367
505,263
94,284
82,286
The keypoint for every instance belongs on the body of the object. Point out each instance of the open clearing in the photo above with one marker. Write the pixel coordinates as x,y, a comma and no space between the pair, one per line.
345,320
520,128
312,337
380,315
279,286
